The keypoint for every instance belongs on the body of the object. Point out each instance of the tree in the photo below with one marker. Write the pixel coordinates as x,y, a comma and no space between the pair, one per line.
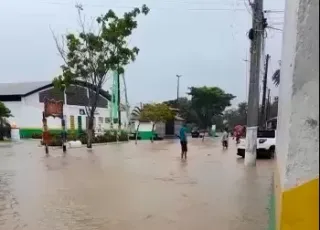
185,109
236,116
218,120
276,77
273,111
89,56
155,113
208,102
242,112
135,116
4,113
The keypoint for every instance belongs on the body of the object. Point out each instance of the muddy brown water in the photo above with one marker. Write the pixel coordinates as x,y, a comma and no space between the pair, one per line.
132,187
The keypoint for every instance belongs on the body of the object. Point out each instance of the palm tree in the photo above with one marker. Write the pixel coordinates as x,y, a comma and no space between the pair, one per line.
276,77
135,116
4,113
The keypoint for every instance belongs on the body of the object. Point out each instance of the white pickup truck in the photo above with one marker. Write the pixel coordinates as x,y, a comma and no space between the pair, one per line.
266,144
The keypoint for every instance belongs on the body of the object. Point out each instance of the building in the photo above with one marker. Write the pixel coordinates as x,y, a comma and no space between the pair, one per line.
296,178
169,129
26,102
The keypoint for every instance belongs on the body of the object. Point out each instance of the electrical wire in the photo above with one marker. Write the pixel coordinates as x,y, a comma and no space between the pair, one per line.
151,8
235,4
274,28
247,7
274,11
218,2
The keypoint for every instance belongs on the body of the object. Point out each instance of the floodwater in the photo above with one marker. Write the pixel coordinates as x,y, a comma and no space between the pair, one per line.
132,187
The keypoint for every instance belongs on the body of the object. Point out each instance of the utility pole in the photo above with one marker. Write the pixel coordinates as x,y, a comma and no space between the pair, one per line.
178,86
246,61
264,92
256,35
268,106
119,102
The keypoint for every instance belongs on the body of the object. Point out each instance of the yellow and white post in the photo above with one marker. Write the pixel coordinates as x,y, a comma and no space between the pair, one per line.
296,184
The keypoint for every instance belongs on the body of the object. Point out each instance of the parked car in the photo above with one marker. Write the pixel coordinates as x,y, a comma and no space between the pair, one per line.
266,144
195,133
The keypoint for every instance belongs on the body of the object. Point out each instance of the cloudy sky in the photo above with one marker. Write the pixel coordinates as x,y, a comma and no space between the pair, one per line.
203,40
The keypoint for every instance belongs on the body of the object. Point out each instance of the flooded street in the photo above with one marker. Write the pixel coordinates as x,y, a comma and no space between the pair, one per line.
132,187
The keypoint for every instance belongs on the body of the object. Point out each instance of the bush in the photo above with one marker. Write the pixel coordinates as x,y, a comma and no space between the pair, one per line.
109,136
123,136
5,129
36,136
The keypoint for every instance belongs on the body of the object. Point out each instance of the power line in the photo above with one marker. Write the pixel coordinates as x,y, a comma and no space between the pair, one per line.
218,2
151,8
235,4
274,28
247,7
274,11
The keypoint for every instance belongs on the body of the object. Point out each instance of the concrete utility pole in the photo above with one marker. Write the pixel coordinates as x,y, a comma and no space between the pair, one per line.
268,106
246,60
256,36
264,92
178,86
119,102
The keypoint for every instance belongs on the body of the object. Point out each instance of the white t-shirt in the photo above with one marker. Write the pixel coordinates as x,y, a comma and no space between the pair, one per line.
225,136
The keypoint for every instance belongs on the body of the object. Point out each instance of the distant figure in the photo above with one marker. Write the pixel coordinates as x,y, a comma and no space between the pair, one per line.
183,141
238,133
225,139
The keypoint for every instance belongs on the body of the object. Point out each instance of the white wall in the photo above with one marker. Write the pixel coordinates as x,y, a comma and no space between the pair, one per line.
28,114
144,126
298,122
161,129
15,107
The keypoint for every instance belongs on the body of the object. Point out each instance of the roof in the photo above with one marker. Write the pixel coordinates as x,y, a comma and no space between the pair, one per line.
178,118
27,88
21,88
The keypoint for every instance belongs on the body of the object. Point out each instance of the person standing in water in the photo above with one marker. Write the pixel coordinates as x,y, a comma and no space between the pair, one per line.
183,141
225,138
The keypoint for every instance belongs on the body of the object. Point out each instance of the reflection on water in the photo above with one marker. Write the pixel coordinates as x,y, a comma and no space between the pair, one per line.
131,187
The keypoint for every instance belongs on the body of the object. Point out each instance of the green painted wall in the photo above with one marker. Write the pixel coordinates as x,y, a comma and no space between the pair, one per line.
145,135
272,209
272,214
28,132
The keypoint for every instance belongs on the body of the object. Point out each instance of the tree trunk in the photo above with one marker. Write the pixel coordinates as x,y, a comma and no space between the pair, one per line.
137,132
1,130
90,132
152,132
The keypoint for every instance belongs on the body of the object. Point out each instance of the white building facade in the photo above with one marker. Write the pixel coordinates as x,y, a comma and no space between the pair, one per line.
26,102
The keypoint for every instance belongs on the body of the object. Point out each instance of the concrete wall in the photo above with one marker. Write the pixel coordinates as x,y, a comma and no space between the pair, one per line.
297,173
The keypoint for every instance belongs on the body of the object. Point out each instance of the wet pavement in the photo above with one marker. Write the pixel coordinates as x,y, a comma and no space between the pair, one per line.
132,187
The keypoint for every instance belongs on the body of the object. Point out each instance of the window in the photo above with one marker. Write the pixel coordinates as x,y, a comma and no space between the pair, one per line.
100,120
107,120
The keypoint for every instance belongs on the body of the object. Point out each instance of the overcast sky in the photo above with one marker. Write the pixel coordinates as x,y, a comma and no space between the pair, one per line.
203,40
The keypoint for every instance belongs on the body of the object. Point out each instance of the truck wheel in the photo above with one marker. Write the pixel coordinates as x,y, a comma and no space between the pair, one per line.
241,153
271,152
